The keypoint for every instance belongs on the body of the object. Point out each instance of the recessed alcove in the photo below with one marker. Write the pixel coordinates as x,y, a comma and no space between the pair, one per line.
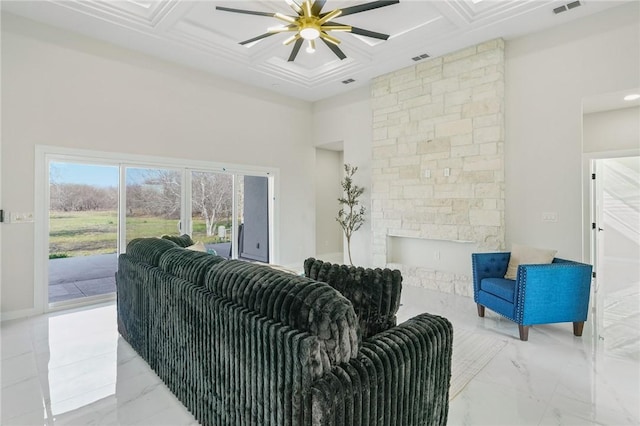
453,256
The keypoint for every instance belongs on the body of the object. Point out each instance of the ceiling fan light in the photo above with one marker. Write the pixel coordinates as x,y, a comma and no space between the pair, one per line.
329,16
295,6
330,39
311,48
306,7
309,33
279,29
291,39
285,18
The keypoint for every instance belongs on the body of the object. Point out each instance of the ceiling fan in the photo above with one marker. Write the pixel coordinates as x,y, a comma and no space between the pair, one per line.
311,24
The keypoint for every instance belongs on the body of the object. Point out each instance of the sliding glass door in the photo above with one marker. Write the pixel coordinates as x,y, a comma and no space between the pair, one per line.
153,204
83,225
96,206
211,210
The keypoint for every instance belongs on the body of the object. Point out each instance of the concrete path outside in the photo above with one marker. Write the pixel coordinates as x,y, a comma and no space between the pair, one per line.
84,276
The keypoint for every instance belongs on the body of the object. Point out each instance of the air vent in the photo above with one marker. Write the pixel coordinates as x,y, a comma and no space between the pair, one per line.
347,81
573,4
566,7
420,57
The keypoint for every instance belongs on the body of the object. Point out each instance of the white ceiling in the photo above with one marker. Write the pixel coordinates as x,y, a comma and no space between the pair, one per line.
195,34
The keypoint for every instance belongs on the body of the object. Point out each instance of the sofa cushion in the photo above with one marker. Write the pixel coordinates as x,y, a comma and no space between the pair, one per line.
523,255
183,240
148,250
299,302
500,287
189,265
374,293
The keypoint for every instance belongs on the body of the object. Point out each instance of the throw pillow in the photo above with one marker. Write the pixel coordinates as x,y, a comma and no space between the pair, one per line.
198,246
374,293
182,240
523,255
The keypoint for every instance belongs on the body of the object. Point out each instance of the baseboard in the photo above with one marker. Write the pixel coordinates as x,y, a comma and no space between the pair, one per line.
22,313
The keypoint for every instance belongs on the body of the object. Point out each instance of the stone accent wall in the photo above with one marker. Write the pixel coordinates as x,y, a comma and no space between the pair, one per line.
442,116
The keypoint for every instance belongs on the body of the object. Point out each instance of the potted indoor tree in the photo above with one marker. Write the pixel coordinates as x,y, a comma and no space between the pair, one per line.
350,217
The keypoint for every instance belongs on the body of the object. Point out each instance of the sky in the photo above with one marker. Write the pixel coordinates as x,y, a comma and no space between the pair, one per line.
91,174
88,174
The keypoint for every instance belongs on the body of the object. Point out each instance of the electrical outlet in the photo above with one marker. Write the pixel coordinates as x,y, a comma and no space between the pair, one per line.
549,216
16,217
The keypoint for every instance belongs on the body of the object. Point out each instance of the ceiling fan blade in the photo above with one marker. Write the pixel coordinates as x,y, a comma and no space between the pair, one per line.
295,50
260,37
367,33
339,53
247,12
317,7
367,6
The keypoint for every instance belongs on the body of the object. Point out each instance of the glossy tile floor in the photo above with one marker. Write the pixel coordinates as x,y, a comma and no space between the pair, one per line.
72,368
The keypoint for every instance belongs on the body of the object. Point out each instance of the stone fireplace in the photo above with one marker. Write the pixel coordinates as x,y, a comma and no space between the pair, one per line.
438,166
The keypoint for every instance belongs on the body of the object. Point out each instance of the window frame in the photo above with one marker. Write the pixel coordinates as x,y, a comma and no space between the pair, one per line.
46,154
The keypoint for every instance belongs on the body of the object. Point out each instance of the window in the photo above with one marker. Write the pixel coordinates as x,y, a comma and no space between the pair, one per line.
228,208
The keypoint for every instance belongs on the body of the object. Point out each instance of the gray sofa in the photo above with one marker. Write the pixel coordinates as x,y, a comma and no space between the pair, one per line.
244,344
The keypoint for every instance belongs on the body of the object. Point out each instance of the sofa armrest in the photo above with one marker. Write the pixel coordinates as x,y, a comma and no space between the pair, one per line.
299,302
557,292
400,377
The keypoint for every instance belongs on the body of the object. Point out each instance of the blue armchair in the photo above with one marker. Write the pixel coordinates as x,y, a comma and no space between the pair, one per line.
540,294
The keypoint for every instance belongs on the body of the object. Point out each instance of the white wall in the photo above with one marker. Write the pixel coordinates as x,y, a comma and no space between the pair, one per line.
347,119
66,90
547,76
612,130
328,174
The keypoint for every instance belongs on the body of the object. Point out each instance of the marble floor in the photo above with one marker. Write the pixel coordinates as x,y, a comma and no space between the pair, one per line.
72,368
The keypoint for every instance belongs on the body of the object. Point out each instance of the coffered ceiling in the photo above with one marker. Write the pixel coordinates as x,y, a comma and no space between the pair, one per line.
195,34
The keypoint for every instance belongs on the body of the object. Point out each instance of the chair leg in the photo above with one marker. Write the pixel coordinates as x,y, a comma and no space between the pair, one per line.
480,310
524,332
577,328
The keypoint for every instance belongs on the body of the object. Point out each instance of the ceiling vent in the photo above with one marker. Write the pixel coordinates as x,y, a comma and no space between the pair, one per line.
566,7
347,81
420,57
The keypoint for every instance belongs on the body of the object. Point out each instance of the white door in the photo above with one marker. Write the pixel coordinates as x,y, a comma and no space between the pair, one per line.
616,251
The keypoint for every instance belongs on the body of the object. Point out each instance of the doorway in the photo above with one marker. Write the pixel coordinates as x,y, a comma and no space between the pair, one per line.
83,231
616,251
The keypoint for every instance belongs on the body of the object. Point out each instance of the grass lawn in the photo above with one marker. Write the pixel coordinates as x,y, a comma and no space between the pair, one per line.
96,232
83,233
